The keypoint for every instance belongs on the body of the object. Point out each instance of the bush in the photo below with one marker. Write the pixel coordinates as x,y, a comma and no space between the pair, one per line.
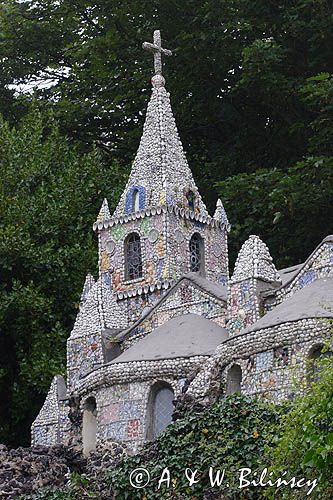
305,444
229,435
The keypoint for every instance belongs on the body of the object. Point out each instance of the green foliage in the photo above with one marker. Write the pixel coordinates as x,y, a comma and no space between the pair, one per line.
318,94
276,202
250,82
50,196
229,435
305,443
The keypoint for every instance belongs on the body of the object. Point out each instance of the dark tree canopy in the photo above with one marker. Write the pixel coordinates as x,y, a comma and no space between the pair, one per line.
46,248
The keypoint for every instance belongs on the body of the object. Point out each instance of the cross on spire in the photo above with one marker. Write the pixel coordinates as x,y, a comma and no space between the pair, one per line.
157,50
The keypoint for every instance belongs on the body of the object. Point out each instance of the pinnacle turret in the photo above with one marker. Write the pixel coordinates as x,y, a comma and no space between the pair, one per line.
104,213
88,284
255,261
221,215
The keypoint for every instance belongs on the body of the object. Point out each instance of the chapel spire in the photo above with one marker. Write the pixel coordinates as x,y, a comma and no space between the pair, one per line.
160,173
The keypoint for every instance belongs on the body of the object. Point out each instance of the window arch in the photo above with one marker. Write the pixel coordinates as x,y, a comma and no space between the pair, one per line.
234,379
197,259
160,409
135,200
133,257
89,426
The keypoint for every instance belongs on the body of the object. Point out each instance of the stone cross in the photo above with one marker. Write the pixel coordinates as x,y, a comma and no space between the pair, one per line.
157,50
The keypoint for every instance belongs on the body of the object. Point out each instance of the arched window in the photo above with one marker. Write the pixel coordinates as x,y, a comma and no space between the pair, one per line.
135,200
190,200
196,253
89,426
133,258
234,379
160,409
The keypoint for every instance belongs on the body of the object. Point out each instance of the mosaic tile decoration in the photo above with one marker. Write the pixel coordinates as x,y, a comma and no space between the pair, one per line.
162,205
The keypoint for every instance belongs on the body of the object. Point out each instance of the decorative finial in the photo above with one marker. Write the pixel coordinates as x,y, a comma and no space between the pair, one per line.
220,214
104,215
157,50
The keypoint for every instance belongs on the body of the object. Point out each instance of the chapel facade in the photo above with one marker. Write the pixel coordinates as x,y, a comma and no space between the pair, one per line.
164,309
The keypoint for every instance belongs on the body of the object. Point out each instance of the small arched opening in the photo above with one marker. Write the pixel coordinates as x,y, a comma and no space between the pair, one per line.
190,196
133,257
160,409
135,200
197,254
89,426
234,380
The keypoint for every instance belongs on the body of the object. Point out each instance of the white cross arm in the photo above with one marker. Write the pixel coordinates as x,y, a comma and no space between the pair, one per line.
154,48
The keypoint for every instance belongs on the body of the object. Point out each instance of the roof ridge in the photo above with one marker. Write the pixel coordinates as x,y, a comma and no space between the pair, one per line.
267,293
124,333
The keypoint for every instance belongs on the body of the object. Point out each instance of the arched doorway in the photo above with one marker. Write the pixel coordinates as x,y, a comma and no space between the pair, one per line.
234,380
89,426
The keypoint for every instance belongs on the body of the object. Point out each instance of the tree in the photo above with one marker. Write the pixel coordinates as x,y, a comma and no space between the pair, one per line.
235,76
288,209
50,195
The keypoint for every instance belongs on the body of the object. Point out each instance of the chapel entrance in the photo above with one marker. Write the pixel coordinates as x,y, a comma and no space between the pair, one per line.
234,380
89,426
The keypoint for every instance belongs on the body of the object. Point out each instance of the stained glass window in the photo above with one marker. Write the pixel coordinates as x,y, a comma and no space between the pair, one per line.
196,253
163,409
133,258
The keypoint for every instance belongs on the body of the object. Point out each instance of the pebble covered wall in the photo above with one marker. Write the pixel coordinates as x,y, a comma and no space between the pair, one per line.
162,258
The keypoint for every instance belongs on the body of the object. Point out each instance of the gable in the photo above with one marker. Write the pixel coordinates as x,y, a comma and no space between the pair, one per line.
192,294
318,266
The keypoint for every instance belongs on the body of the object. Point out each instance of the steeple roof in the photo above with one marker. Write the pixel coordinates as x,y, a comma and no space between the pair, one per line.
104,213
221,215
255,261
99,311
160,170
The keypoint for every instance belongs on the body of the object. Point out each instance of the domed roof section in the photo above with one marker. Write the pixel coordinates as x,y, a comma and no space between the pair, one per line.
183,336
313,301
255,261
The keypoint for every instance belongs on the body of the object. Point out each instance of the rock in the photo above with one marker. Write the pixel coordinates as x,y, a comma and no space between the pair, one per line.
24,470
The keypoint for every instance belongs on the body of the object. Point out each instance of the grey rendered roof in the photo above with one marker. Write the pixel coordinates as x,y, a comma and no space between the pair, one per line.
312,301
218,291
288,273
183,336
